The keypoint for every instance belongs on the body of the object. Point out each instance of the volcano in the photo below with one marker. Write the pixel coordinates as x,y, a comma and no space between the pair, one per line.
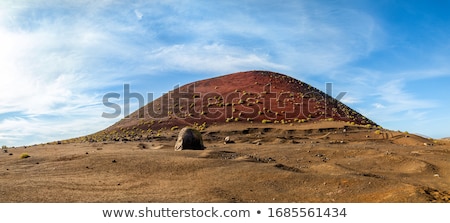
252,96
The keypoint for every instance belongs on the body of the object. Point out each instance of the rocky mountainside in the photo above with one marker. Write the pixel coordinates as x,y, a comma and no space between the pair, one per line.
252,96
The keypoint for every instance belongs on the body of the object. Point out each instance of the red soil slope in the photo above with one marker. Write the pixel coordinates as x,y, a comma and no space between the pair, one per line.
253,96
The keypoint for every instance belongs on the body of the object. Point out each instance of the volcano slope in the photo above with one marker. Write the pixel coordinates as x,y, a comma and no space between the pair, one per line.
254,96
291,143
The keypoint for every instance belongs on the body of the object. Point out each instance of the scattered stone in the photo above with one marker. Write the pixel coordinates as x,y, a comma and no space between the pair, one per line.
37,162
10,154
114,161
227,140
335,142
87,153
436,175
287,168
5,151
323,157
257,142
157,147
59,142
142,146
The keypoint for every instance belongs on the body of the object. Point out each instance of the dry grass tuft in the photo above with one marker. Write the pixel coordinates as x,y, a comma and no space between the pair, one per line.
24,156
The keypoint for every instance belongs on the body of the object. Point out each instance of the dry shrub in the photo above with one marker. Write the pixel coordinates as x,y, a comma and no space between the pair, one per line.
24,156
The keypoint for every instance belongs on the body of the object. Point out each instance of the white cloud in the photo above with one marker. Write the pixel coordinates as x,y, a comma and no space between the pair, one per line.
439,70
213,58
393,104
52,72
350,100
35,130
378,105
393,93
138,14
304,37
328,39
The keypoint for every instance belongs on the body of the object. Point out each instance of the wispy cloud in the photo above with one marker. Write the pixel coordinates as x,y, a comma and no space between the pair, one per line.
393,93
214,58
28,130
306,37
392,103
52,66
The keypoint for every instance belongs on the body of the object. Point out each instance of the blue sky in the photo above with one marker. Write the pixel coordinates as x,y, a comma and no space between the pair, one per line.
58,58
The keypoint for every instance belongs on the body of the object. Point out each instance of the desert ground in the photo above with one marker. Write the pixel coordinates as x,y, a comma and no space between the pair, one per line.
312,162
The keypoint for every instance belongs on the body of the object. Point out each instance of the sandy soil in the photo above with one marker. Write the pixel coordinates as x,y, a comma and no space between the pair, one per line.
266,163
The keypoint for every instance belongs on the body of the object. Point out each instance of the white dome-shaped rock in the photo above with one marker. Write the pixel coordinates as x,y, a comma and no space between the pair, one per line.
189,138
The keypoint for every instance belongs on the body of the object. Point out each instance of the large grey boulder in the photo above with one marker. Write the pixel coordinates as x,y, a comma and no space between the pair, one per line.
189,138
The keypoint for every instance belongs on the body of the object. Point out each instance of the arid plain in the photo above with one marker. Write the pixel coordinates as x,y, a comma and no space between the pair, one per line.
316,162
289,142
